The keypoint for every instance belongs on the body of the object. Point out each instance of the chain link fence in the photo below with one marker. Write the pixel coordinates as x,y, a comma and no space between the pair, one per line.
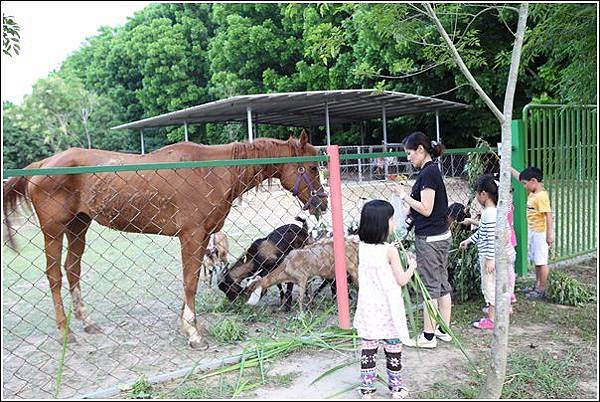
131,284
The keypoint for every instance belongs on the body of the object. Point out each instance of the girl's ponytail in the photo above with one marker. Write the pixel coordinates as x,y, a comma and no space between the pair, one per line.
488,184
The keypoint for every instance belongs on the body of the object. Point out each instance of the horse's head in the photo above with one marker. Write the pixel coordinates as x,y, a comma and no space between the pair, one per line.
302,179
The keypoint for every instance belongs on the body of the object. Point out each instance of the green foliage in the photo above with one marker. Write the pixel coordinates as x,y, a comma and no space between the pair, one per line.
141,389
563,289
20,146
11,36
463,266
227,330
561,49
176,55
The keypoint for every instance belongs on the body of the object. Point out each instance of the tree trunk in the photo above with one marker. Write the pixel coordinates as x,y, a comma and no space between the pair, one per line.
87,134
492,389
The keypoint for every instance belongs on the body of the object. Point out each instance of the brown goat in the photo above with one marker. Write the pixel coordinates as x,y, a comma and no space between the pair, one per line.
316,259
215,255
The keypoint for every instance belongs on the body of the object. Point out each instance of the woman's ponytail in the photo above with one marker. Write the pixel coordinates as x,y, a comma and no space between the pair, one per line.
433,148
437,149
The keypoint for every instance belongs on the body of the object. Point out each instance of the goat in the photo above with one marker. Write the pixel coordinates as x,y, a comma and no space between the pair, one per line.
316,259
215,255
262,257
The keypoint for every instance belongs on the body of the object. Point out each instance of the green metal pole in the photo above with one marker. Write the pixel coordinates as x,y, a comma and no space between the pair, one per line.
519,197
563,178
572,190
578,182
594,176
588,182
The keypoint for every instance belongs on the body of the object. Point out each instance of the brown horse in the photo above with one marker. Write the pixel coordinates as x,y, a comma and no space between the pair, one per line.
187,203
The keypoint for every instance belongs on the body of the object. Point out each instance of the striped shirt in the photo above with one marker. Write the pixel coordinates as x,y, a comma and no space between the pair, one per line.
485,236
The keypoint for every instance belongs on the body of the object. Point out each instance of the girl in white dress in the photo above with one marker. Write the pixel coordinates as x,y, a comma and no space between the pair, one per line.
380,314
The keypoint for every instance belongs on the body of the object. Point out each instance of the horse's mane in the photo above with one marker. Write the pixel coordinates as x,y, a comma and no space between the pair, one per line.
267,148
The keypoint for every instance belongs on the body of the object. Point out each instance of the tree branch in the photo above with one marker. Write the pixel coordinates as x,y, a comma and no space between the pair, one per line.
448,91
514,65
462,65
505,24
473,20
422,70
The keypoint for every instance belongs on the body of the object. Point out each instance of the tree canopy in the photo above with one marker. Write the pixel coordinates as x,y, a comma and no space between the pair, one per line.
172,56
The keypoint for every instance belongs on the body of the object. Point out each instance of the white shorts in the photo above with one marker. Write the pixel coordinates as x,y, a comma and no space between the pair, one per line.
538,248
488,283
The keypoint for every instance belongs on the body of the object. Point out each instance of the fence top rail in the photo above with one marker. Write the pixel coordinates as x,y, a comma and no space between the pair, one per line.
454,151
56,171
158,166
530,106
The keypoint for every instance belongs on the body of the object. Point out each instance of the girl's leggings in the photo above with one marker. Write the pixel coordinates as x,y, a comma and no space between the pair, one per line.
368,372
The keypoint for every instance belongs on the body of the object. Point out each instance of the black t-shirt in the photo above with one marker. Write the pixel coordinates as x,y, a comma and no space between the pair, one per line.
437,222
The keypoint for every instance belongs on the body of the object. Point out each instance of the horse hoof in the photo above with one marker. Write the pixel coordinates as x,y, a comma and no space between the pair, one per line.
200,344
92,329
71,339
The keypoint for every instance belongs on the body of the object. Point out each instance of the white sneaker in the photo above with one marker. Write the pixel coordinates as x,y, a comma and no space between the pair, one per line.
421,342
400,394
442,336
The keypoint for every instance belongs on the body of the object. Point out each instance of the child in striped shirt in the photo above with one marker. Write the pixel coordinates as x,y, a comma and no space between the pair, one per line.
487,195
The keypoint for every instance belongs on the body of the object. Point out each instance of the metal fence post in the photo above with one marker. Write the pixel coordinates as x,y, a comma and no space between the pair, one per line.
519,197
359,166
339,243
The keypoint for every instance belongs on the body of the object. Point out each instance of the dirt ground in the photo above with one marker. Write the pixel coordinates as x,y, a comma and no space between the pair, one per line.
538,330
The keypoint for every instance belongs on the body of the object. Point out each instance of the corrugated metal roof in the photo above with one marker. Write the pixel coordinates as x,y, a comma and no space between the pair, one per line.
302,109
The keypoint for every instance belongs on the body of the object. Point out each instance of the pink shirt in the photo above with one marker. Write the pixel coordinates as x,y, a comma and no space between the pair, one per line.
511,230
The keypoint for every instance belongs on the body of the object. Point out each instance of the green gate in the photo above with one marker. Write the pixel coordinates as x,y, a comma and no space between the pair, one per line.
560,140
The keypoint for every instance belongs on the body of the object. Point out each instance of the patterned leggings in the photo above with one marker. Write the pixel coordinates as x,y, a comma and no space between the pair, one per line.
368,372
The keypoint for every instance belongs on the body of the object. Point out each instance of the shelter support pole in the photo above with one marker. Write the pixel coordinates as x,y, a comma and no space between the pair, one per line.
385,141
249,116
185,130
339,243
437,137
519,196
142,141
359,166
437,126
327,124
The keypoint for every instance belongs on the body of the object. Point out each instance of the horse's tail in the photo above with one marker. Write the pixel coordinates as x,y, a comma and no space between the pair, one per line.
15,190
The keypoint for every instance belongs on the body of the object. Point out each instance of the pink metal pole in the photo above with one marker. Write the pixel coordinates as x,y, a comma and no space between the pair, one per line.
339,243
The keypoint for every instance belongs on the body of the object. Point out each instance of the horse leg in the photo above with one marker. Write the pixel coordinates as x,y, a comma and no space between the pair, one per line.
53,240
192,254
76,231
288,296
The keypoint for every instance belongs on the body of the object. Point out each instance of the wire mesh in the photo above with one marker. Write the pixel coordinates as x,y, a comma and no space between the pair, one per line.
132,283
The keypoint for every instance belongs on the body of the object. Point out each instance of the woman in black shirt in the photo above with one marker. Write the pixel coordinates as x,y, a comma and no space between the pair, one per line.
429,209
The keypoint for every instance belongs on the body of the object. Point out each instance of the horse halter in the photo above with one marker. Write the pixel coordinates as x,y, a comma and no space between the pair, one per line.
313,192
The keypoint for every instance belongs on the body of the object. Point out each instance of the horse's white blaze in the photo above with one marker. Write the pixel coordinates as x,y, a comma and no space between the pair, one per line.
255,296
